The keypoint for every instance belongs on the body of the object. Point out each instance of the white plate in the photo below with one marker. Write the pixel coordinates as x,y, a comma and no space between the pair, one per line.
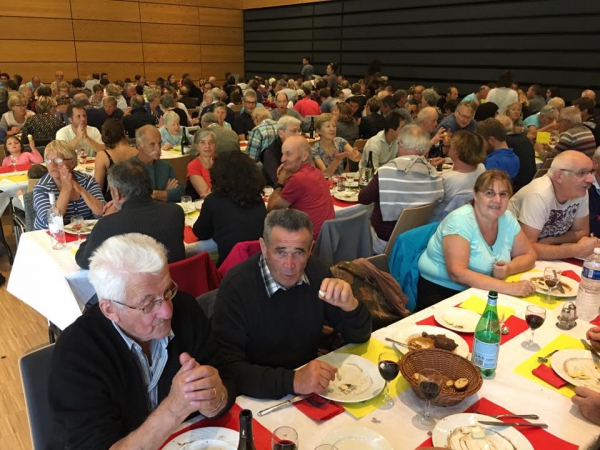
541,288
558,365
87,227
188,208
373,382
357,438
453,318
209,438
446,426
404,334
346,196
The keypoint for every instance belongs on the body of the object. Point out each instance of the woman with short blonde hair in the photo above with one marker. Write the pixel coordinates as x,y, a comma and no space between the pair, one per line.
43,126
13,120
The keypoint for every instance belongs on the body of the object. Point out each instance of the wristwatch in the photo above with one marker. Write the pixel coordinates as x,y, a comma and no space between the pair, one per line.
278,185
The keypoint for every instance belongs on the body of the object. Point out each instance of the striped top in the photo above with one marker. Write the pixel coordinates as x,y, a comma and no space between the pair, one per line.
578,138
41,200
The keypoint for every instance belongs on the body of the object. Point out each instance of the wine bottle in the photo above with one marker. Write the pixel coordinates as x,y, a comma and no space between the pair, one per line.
311,128
369,168
185,143
246,441
486,344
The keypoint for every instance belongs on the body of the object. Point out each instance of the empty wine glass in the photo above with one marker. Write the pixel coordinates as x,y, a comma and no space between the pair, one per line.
284,438
13,160
326,447
430,386
552,279
388,369
535,317
77,226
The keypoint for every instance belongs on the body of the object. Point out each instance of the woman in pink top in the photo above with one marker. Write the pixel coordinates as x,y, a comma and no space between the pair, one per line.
205,142
13,148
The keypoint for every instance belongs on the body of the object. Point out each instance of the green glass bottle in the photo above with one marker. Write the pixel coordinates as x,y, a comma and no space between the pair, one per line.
486,344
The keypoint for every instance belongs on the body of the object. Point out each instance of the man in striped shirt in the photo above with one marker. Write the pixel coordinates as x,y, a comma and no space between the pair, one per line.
406,181
575,135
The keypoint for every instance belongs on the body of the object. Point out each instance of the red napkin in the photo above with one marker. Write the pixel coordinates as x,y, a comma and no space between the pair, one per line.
539,438
596,321
231,420
325,412
572,275
516,326
188,235
574,261
18,168
545,373
342,204
70,237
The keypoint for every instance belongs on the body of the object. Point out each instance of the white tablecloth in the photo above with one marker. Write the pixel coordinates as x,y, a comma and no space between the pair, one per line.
507,389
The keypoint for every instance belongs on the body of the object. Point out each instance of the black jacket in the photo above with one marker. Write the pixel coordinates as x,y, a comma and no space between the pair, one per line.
137,119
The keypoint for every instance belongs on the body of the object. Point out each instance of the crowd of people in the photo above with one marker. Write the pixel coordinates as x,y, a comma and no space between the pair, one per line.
145,357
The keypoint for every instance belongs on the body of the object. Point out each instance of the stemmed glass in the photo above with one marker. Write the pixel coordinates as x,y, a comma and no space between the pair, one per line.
535,317
77,226
551,278
284,438
13,160
326,447
388,369
430,386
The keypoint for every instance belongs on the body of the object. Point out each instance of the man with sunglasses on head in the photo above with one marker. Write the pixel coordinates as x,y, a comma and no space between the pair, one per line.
553,210
129,371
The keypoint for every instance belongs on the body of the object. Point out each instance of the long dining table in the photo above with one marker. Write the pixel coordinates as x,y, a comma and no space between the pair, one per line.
512,387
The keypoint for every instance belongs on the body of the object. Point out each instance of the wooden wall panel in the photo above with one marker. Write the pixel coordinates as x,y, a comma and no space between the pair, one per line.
173,2
177,15
98,30
28,51
167,33
35,28
44,70
247,4
218,69
222,53
105,10
154,70
36,8
108,52
115,71
232,4
221,36
215,17
157,53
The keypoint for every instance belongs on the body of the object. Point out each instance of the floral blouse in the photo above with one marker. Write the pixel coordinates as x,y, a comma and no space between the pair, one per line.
319,152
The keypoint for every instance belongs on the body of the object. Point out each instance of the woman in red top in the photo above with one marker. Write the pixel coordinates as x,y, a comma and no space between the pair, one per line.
205,142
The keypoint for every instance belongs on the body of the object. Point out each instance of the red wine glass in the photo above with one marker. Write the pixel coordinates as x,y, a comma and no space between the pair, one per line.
388,369
534,316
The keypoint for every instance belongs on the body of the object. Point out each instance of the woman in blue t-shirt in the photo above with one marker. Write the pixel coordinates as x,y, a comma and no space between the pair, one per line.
478,245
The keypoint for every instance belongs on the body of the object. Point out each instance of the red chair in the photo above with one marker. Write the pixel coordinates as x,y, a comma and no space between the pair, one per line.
196,275
239,253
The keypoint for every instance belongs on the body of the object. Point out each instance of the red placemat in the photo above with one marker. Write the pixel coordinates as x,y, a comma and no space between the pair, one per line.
515,325
188,235
70,237
539,438
577,262
342,204
18,168
231,420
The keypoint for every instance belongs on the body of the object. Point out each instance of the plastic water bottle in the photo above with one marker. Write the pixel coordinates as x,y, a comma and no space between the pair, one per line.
486,344
56,226
588,297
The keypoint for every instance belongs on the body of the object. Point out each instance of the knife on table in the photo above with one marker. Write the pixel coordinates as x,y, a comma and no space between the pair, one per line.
595,354
291,401
512,424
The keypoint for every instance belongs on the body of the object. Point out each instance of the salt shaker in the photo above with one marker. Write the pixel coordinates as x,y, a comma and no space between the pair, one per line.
568,317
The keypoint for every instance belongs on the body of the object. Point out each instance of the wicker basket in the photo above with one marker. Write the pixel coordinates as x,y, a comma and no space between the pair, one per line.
450,365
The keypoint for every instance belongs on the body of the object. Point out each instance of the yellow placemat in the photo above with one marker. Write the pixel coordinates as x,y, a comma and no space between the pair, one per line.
371,350
562,342
477,304
16,177
536,299
193,214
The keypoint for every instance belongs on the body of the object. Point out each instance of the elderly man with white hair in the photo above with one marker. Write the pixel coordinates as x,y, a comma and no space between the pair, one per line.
263,134
134,366
287,126
553,210
574,135
406,181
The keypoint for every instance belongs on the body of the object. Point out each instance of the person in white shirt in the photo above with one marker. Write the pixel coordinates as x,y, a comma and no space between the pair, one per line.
78,134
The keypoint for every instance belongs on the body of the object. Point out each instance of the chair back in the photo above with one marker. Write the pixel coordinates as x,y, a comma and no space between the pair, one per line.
179,165
547,163
347,237
236,108
540,173
35,369
360,144
409,218
196,275
238,254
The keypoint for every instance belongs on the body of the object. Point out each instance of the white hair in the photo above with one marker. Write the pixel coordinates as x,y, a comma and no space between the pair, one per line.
426,113
572,114
286,121
415,138
120,257
171,116
597,155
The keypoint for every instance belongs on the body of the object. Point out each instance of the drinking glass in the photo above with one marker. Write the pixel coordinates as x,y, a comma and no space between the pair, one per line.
551,278
326,447
430,386
77,226
186,199
284,438
82,157
13,161
535,317
388,369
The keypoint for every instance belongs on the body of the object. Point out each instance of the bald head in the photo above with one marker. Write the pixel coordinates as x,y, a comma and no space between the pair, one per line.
569,160
571,174
506,122
589,94
295,153
427,118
